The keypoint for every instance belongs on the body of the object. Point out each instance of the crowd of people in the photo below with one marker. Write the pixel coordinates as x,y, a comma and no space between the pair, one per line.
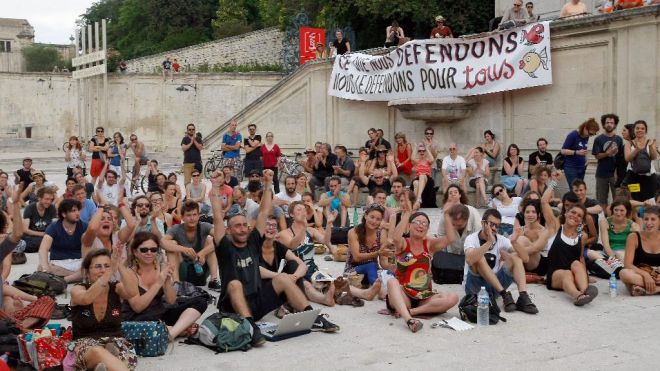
125,250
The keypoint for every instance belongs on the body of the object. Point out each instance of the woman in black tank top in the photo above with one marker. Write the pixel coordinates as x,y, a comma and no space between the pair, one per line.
566,268
96,312
642,258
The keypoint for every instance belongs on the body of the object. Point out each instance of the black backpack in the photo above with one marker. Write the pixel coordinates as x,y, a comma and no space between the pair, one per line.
447,268
9,338
41,284
641,164
468,310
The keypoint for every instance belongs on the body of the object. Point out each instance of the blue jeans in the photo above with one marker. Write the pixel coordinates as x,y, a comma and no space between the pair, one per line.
573,173
473,282
370,271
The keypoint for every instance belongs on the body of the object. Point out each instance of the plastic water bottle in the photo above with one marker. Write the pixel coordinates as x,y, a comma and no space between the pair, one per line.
198,268
483,308
355,217
613,286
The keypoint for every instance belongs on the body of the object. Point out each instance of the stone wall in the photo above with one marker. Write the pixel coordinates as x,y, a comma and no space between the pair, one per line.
543,8
156,111
601,64
258,47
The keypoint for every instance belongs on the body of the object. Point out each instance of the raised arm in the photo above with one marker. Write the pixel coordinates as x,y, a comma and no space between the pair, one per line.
17,228
218,213
551,221
266,205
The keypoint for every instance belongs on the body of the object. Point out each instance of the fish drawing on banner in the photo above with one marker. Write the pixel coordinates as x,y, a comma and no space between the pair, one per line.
533,60
534,36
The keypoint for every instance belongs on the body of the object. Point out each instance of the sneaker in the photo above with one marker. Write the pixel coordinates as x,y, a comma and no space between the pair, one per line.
214,285
323,325
257,338
524,304
507,300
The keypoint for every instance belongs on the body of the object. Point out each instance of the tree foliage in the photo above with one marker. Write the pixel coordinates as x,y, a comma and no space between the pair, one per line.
142,27
41,58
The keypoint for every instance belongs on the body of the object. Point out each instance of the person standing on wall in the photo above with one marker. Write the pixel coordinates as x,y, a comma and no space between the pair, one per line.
575,150
192,153
252,145
340,46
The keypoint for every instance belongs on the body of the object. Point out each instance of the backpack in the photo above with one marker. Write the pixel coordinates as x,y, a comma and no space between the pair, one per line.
224,332
559,162
150,338
641,164
41,284
186,291
9,338
468,310
447,268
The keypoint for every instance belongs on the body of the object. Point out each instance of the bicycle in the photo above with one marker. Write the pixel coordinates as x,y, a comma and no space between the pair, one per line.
217,161
289,167
141,181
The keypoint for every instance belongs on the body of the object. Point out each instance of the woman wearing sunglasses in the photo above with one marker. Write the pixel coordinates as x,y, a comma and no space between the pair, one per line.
98,341
410,292
507,206
156,289
566,269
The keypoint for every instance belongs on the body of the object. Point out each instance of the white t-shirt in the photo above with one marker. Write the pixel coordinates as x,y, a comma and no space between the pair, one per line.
285,197
473,225
478,172
110,193
493,256
508,212
455,168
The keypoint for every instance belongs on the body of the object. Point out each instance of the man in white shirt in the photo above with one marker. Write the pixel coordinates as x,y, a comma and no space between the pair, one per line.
286,197
490,262
453,169
108,190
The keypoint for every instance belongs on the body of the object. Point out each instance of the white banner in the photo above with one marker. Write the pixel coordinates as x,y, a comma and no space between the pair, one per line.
512,59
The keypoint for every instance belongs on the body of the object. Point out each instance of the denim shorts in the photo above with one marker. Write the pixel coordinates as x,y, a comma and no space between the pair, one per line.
474,282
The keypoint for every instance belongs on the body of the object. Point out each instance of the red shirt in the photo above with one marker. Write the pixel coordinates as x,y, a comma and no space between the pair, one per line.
269,158
443,31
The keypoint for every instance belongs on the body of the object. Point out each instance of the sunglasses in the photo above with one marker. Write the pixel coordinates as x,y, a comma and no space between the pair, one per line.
145,250
141,204
191,129
494,225
497,193
421,151
378,177
421,223
99,131
156,199
428,133
195,175
271,226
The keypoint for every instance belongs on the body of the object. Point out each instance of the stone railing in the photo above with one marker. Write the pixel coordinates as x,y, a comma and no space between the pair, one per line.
263,47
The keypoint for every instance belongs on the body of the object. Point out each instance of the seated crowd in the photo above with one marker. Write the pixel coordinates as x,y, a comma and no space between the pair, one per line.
125,253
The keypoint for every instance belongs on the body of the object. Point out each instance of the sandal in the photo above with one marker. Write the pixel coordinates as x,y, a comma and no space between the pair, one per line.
591,291
582,299
638,291
414,325
348,299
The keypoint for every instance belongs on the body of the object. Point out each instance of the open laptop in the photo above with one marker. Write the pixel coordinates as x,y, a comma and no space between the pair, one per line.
292,325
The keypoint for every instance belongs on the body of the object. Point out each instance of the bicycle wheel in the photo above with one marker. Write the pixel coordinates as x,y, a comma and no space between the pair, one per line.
238,170
209,168
144,184
66,144
296,169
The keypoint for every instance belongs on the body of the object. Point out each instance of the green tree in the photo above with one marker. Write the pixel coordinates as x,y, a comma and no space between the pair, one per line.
41,58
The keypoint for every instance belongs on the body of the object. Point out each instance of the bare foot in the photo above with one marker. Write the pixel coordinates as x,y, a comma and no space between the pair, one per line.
329,299
373,291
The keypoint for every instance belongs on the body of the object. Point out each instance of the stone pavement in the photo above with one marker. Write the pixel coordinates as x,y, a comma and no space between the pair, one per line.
619,333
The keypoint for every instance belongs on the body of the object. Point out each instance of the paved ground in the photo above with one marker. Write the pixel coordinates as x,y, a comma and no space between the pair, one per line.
621,333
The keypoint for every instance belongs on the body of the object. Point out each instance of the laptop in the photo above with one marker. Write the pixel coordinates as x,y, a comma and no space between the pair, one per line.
292,325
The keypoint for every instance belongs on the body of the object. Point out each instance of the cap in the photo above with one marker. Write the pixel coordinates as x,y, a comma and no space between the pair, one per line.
254,172
381,148
37,172
309,150
27,159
